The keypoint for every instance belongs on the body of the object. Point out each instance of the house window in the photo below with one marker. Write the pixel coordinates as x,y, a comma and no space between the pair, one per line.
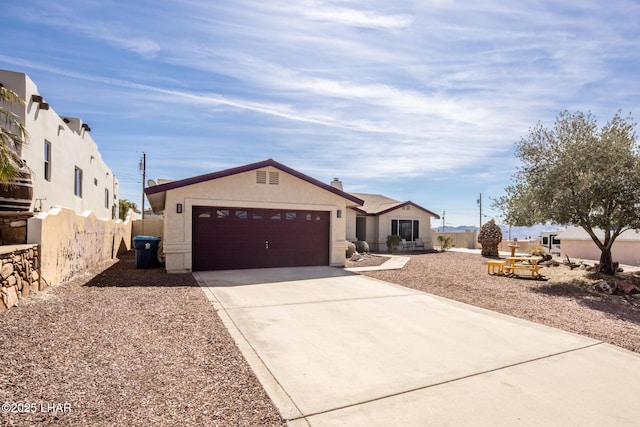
407,229
77,187
47,160
107,201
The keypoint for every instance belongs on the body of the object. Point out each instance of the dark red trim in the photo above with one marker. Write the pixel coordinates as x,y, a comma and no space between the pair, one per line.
435,215
247,168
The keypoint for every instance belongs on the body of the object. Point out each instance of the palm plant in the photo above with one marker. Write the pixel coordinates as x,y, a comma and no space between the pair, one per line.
12,134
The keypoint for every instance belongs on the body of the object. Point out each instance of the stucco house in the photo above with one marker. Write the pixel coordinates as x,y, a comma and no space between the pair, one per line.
380,216
576,243
263,214
66,168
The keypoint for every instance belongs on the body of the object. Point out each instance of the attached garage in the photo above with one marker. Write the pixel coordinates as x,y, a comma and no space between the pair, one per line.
259,215
226,238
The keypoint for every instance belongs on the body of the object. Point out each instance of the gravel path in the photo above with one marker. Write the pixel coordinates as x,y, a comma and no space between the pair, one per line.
566,300
128,347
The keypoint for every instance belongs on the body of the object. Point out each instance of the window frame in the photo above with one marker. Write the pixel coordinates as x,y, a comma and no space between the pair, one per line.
47,160
77,182
397,228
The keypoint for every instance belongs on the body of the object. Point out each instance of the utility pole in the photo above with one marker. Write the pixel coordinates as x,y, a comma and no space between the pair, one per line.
443,212
480,204
143,168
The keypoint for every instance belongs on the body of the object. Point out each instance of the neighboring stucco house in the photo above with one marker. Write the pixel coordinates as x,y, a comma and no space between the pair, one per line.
67,169
266,214
381,216
576,243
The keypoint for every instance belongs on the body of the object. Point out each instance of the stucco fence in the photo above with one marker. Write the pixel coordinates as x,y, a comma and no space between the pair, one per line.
60,245
460,239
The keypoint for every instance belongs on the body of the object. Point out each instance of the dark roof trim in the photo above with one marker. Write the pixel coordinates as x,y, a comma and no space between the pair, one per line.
400,205
247,168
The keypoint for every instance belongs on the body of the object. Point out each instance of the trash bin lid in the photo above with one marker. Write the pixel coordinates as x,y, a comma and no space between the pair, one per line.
152,238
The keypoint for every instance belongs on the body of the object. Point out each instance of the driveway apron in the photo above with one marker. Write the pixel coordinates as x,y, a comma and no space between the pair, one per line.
335,348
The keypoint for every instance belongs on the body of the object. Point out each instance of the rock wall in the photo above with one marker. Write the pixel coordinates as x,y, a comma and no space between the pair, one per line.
20,273
13,227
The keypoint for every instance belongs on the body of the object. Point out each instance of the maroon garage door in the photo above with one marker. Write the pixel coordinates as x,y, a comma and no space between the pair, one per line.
230,238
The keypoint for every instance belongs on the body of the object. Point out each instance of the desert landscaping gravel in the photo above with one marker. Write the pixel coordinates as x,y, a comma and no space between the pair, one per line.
139,347
128,347
567,300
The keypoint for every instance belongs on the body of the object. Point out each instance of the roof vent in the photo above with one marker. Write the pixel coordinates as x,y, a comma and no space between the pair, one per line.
274,178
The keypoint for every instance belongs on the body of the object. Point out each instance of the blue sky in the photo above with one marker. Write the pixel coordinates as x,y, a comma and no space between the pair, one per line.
417,100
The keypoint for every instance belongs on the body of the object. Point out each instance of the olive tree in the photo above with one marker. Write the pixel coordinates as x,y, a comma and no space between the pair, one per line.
576,173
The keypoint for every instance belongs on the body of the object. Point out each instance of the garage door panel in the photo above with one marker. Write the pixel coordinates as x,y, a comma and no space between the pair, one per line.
233,238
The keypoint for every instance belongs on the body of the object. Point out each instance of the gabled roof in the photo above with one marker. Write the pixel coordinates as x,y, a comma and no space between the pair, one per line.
156,194
377,204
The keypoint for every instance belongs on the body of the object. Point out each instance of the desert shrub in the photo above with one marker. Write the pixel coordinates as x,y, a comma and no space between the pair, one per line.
351,249
362,247
445,242
393,241
536,250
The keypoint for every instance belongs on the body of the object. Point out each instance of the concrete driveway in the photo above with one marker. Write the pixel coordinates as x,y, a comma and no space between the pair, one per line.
335,348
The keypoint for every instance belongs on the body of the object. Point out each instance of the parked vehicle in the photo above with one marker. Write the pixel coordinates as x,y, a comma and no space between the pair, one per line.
549,240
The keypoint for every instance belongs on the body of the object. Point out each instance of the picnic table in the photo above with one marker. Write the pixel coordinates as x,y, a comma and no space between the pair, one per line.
525,263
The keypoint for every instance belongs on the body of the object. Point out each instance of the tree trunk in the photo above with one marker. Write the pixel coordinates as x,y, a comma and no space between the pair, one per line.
606,262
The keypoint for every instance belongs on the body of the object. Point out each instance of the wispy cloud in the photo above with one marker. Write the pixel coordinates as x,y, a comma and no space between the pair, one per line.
386,92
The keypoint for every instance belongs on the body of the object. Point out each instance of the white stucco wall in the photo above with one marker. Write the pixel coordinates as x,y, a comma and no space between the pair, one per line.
241,190
71,147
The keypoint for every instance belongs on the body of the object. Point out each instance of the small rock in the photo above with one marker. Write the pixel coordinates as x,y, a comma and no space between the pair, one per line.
10,299
7,270
11,281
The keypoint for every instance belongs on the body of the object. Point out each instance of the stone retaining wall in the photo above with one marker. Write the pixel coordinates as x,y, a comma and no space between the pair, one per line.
20,273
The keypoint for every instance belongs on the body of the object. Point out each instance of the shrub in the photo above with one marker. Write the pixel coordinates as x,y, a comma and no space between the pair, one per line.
536,250
351,249
393,241
445,242
362,247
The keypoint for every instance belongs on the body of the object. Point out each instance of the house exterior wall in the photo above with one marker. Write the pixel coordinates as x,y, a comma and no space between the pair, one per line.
623,251
372,232
71,147
241,190
384,225
351,225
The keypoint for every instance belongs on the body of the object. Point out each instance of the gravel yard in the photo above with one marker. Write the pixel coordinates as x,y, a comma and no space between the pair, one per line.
128,347
139,347
566,300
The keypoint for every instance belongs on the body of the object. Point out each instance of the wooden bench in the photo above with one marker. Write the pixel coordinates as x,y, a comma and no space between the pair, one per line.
495,267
